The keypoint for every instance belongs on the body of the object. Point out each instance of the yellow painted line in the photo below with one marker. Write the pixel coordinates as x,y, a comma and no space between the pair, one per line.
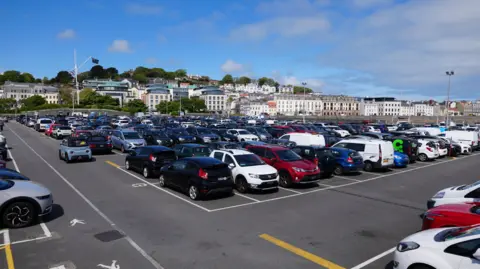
113,164
8,253
300,252
2,247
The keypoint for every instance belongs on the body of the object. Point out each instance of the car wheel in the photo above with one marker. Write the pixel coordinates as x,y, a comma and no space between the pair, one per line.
161,181
242,185
421,266
146,172
368,167
59,136
122,149
60,155
66,158
127,165
18,214
193,193
422,157
285,180
338,170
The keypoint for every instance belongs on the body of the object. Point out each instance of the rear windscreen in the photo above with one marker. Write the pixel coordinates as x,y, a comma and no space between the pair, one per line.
166,154
98,139
201,150
77,143
354,154
64,128
45,121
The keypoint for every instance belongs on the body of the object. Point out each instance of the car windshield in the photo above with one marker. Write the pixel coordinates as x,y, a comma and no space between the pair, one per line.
243,132
232,146
298,127
203,131
461,232
262,131
288,155
131,135
6,184
64,128
248,160
201,150
98,138
45,121
77,143
469,186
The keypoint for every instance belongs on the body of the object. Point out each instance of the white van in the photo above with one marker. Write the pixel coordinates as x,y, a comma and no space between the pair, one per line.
430,130
305,139
43,124
376,153
464,137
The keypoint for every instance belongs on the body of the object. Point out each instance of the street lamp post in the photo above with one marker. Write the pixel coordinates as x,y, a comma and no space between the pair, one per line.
449,74
304,100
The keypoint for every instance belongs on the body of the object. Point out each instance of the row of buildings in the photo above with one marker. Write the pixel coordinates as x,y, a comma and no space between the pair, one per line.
249,99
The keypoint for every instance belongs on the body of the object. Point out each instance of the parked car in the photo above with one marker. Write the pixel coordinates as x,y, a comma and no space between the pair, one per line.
191,150
260,132
22,202
243,135
43,124
99,144
451,215
6,173
301,129
467,193
347,161
149,159
245,144
376,154
305,139
283,142
427,150
224,136
198,176
74,149
405,145
320,156
157,137
338,130
223,145
248,170
445,248
276,132
400,159
180,135
203,135
61,131
292,168
49,131
126,140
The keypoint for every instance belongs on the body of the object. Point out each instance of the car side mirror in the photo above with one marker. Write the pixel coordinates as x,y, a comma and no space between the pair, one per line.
231,165
273,160
476,255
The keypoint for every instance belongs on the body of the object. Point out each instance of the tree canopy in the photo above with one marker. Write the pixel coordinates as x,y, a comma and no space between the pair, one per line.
64,77
16,76
192,105
135,106
243,80
227,79
33,101
300,89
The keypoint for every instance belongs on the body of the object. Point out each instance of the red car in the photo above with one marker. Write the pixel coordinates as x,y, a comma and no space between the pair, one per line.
85,133
451,215
302,129
49,131
292,168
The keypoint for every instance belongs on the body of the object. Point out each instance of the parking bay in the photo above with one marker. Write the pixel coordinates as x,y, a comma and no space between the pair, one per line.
345,220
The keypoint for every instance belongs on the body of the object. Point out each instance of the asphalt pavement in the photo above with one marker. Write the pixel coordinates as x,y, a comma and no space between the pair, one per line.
104,213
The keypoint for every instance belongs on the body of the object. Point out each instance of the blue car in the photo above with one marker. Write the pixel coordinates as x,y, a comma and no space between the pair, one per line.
347,161
7,173
400,159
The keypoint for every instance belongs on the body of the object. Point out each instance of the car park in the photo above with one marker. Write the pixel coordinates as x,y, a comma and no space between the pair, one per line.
157,137
243,135
340,131
198,176
467,193
464,137
292,168
191,150
376,154
49,131
347,161
260,132
180,135
225,136
74,149
126,140
43,124
203,135
320,156
149,159
405,145
400,159
248,170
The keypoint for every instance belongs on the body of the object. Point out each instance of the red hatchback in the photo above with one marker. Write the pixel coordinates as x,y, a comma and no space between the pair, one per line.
49,131
451,215
302,129
292,168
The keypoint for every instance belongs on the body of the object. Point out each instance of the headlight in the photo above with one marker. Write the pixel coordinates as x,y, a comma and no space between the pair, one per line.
298,169
171,140
406,246
45,197
181,139
439,195
254,175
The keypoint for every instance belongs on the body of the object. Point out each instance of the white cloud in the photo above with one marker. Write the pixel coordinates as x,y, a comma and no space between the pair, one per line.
66,34
151,60
143,9
120,45
371,3
232,67
287,27
312,83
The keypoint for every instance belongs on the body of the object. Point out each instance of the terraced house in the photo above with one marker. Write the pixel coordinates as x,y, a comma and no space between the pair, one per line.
19,91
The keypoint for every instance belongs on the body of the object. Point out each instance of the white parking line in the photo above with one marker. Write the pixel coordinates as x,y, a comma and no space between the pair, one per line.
294,191
45,229
10,156
346,178
370,173
142,252
379,256
246,197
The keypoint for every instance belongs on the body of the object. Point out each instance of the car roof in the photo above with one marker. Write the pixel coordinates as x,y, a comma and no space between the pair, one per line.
193,145
234,151
362,141
272,147
127,131
159,148
203,161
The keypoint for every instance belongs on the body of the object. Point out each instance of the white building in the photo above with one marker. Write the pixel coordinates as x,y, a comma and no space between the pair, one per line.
19,91
389,108
215,100
291,104
155,96
368,108
406,109
422,109
285,89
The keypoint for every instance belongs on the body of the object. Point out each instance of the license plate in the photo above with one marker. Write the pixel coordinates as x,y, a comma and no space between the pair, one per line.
222,178
79,157
102,146
385,161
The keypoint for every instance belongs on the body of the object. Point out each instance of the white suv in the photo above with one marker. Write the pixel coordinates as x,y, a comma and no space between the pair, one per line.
248,170
61,131
243,135
427,150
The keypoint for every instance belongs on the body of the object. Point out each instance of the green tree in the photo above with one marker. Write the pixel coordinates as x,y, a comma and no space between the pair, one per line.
11,75
6,104
165,107
227,79
26,77
300,89
87,96
142,78
45,80
267,81
33,101
97,71
2,79
65,95
135,106
180,73
38,80
112,72
243,80
64,77
125,75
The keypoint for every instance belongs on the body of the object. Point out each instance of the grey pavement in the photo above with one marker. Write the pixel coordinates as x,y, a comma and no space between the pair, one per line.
346,220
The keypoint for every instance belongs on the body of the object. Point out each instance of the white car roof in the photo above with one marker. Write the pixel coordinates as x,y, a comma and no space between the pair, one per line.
299,134
363,141
234,151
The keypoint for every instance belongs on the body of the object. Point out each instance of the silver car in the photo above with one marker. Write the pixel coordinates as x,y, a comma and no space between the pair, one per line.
22,202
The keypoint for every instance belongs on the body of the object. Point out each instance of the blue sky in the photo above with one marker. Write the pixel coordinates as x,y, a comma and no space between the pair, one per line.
354,47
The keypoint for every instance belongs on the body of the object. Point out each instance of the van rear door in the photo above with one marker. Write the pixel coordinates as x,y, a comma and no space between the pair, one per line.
386,148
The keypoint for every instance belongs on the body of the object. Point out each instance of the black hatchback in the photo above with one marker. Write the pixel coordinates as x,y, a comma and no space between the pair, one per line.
149,160
198,176
321,156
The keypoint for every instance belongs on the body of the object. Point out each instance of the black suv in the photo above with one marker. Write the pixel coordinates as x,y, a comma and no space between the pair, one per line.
149,159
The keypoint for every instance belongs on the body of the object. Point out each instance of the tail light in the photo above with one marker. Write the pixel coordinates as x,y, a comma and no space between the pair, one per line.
109,137
92,146
152,158
380,152
473,143
349,160
109,145
315,161
429,149
202,174
71,152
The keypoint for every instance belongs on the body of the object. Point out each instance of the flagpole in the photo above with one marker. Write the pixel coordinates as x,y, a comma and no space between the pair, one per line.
76,79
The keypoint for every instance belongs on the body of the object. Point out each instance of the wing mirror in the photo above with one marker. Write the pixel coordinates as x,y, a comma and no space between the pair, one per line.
273,160
231,165
476,255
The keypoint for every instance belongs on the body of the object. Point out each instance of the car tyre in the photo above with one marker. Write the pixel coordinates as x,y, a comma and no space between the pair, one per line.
66,158
338,170
285,180
60,155
19,214
161,181
193,193
146,172
122,149
368,167
421,266
127,165
242,185
422,157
